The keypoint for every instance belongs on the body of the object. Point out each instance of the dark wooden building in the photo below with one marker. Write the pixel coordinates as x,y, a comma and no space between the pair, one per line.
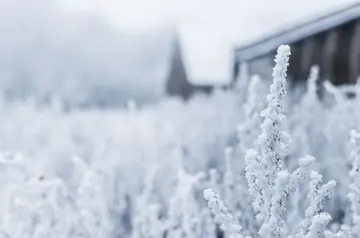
331,41
177,82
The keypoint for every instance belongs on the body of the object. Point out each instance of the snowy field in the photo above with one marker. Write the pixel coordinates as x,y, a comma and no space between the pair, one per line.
144,172
233,164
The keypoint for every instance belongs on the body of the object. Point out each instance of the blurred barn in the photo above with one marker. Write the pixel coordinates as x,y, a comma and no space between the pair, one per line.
178,83
331,41
85,61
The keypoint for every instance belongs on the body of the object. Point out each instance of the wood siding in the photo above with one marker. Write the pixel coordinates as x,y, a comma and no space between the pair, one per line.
335,51
177,82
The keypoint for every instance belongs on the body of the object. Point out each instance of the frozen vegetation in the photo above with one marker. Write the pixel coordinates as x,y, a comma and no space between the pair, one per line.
254,161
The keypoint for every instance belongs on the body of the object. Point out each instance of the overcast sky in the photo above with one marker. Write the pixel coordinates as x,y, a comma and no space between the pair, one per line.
210,29
138,14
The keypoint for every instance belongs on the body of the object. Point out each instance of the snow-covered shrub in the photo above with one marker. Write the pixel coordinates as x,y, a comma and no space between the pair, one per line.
234,187
39,207
93,211
147,221
354,194
255,103
270,184
306,127
222,215
183,218
113,190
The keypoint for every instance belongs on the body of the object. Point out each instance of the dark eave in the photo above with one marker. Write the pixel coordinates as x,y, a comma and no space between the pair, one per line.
297,33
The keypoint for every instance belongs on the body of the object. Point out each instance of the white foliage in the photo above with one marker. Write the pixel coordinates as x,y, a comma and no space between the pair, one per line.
354,194
235,194
93,213
46,194
184,215
269,183
250,128
147,222
255,171
272,143
222,215
306,129
315,220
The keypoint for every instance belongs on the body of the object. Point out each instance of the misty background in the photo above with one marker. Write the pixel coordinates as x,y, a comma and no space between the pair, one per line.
107,52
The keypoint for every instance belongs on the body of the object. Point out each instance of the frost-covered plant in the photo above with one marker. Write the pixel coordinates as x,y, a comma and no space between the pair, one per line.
93,219
235,195
151,226
272,142
285,186
40,208
335,92
147,222
222,215
208,223
33,205
354,194
270,184
343,232
125,143
340,119
308,114
183,219
315,219
255,103
307,133
352,230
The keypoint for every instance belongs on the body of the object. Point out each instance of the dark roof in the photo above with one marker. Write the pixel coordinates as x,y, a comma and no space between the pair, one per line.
298,32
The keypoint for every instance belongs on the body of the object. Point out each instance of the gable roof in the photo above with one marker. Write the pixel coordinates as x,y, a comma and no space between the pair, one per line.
298,32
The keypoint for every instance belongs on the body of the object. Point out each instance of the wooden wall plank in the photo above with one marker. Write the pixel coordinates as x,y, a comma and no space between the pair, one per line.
355,53
330,46
306,60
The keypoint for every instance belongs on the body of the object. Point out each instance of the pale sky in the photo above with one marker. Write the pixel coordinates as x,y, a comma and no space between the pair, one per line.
210,29
138,14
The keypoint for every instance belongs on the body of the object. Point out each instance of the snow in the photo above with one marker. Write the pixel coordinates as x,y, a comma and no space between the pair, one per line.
209,40
118,173
111,173
81,48
210,30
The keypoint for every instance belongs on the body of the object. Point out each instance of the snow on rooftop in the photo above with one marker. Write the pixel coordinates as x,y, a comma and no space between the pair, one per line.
209,38
210,29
